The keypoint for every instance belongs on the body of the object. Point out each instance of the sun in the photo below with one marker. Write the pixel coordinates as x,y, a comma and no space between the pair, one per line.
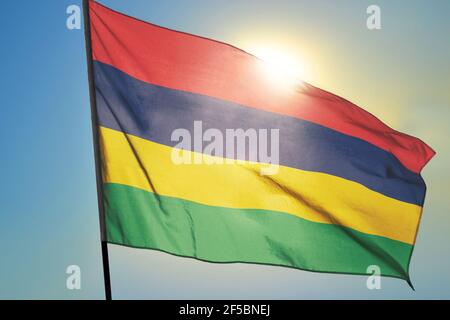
283,69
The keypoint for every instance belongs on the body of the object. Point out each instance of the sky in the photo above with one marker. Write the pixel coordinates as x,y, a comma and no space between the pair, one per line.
48,204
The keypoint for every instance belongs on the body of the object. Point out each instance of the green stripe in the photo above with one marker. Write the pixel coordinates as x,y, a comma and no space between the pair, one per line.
138,218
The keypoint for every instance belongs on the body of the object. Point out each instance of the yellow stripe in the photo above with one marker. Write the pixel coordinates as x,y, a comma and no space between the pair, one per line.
313,196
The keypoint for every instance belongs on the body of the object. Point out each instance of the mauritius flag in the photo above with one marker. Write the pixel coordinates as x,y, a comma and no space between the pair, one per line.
346,193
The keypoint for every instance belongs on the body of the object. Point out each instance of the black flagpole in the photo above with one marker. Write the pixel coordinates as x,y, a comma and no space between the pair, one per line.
98,168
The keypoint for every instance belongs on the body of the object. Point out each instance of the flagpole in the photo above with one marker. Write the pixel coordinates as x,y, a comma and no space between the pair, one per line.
98,168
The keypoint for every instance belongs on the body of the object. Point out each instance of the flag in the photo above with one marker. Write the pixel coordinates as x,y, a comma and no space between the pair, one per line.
329,188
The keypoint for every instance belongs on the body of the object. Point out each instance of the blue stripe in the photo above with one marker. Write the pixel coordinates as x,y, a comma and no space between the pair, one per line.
154,112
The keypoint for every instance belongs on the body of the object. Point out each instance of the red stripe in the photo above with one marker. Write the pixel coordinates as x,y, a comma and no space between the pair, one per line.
190,63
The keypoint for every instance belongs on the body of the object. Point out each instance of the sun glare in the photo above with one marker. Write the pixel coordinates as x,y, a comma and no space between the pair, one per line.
285,70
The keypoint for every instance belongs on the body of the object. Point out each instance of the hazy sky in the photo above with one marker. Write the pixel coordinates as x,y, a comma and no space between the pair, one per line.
48,206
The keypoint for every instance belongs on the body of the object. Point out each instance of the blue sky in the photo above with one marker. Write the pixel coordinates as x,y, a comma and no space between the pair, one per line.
48,205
